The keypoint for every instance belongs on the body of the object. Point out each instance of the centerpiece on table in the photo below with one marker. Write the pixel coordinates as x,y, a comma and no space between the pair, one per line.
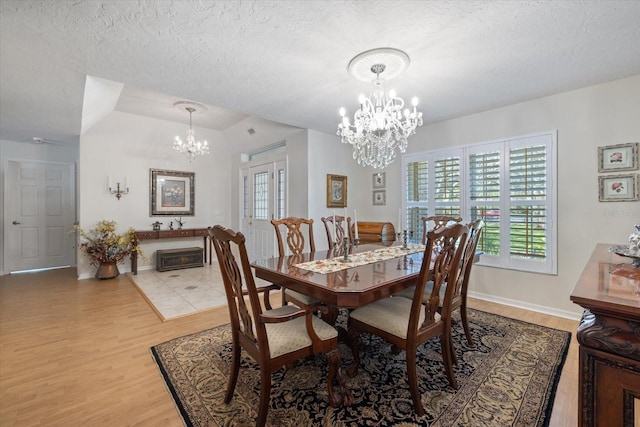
105,248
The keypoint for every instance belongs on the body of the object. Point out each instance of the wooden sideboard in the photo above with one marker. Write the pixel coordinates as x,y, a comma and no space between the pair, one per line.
609,337
172,234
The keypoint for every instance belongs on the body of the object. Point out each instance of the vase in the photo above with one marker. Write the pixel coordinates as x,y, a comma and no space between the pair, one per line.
107,270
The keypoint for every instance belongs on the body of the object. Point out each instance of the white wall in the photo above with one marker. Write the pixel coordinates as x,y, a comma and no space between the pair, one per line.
585,119
124,144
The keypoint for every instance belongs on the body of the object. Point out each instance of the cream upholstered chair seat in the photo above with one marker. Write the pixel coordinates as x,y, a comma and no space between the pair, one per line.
292,335
390,315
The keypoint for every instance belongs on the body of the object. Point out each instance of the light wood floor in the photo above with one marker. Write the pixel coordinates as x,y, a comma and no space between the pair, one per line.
76,353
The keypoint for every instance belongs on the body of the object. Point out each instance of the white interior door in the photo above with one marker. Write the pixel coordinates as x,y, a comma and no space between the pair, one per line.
39,213
264,198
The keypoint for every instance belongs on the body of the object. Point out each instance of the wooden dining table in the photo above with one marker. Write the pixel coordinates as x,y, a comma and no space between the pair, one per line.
348,288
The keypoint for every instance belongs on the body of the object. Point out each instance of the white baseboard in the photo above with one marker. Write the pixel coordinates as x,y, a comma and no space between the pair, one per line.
527,306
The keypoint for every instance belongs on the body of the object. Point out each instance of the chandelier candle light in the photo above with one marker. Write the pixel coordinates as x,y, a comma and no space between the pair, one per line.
192,147
379,127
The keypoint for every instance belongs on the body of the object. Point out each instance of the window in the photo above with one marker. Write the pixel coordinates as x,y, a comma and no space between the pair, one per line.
508,183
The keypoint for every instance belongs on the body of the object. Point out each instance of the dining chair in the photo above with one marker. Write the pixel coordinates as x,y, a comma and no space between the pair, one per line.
339,229
407,323
273,338
297,244
459,299
439,221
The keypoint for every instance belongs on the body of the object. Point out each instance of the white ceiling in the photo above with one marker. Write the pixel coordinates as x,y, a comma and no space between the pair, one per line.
253,62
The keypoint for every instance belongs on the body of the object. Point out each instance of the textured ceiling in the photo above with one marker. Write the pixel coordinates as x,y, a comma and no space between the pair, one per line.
286,61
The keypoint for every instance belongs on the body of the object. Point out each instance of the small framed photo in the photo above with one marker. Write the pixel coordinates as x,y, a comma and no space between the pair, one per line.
172,192
618,188
336,191
621,157
379,197
379,180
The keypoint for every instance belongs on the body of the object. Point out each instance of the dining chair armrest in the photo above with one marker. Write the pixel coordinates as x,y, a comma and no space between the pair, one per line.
263,289
266,318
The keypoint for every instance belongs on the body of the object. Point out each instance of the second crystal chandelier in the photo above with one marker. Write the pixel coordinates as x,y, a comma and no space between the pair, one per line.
379,129
192,147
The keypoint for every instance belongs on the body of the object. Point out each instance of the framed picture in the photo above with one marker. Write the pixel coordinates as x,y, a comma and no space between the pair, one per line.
336,191
172,192
379,180
621,157
618,188
379,197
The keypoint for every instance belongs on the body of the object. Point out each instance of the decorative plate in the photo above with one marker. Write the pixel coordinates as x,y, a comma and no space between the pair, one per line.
624,251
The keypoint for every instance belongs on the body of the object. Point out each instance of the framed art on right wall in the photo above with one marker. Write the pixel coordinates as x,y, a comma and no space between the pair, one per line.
621,157
618,188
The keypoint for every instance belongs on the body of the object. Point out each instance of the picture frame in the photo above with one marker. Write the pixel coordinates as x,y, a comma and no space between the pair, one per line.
618,188
336,191
171,192
379,197
620,157
379,180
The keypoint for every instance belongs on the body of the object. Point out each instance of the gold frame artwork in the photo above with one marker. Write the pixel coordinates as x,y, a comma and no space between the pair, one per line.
336,191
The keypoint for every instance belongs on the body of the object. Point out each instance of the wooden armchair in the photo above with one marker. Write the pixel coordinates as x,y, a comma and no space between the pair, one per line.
459,298
273,338
297,244
340,231
407,323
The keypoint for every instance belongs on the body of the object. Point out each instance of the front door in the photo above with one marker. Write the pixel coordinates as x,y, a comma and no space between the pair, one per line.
39,214
264,198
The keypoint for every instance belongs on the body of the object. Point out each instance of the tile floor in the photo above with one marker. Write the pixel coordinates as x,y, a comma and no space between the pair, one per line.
178,293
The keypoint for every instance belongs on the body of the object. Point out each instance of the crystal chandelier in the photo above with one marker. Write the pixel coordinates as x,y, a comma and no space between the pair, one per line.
379,129
192,147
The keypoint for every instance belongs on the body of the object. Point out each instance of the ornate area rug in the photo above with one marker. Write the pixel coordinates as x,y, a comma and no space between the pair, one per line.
508,378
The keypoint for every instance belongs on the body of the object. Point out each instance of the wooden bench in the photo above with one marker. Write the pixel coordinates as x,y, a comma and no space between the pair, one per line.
174,259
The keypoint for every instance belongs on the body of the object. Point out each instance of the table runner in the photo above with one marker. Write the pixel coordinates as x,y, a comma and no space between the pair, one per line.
331,265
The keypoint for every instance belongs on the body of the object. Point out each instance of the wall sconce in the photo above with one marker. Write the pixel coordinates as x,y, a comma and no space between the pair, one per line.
118,190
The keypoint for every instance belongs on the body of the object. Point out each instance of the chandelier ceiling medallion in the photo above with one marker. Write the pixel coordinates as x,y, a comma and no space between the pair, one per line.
192,147
379,128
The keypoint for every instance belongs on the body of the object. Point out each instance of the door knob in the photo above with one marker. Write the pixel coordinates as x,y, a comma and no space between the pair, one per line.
16,222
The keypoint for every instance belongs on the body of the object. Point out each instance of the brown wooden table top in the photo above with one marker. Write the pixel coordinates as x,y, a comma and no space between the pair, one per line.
609,284
348,288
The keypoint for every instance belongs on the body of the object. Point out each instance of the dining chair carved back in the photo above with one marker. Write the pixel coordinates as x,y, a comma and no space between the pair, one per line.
299,239
273,338
438,221
459,298
339,222
408,323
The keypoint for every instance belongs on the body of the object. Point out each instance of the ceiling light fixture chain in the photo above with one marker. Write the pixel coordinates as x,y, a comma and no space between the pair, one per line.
379,129
192,147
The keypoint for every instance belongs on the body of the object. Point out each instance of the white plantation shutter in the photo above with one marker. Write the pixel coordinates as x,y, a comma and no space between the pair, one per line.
507,183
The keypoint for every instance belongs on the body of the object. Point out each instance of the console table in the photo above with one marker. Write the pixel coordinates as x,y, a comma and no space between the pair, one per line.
609,337
171,234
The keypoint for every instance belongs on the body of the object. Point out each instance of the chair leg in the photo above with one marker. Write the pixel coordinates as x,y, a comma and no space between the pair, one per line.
445,346
465,323
335,372
412,379
265,396
235,368
352,341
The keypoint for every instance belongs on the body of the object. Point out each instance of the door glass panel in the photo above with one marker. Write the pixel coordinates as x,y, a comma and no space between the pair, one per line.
261,195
